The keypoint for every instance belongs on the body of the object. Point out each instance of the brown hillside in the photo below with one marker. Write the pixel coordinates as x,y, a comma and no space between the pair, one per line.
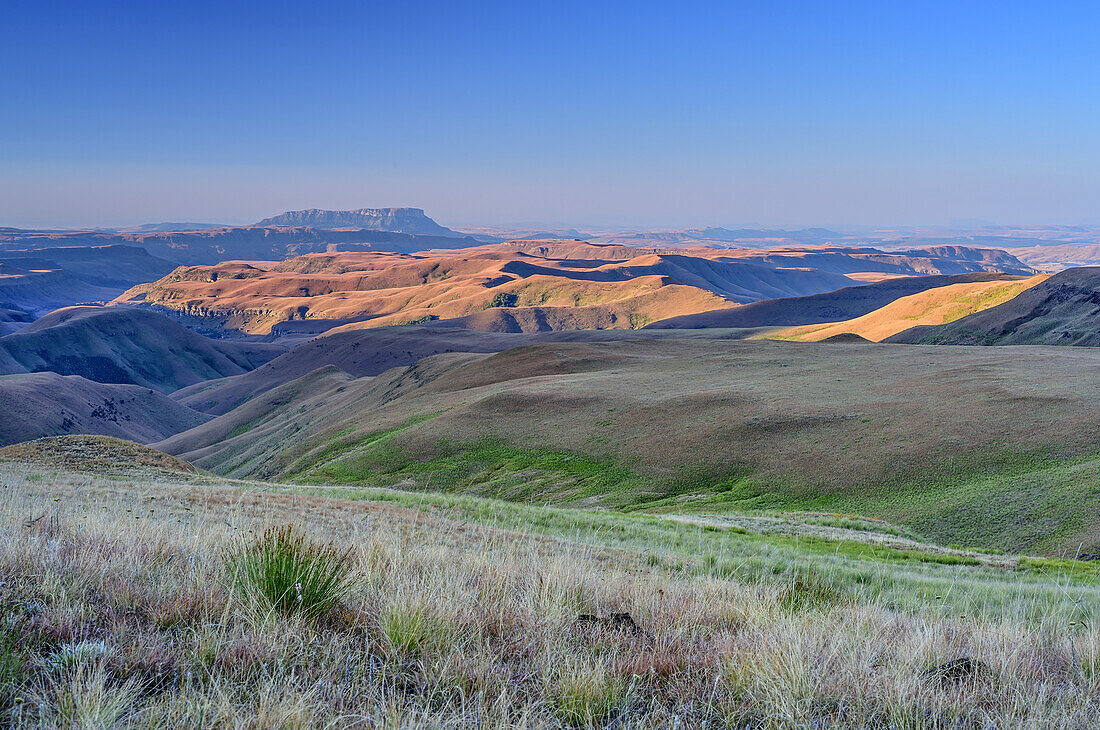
932,307
619,287
375,289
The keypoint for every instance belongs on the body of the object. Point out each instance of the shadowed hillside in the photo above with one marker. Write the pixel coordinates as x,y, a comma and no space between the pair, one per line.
364,352
213,245
48,404
37,282
126,345
1063,310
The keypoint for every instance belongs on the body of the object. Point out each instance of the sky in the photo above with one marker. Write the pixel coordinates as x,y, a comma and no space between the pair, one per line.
599,113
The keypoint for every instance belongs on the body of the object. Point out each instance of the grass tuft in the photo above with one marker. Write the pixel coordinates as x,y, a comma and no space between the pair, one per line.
284,572
808,591
585,694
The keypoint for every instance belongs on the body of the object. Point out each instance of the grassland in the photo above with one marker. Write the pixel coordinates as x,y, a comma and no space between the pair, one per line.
122,609
994,448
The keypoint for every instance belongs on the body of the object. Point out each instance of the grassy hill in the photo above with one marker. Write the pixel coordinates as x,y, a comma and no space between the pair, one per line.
47,404
985,447
1062,310
372,351
937,306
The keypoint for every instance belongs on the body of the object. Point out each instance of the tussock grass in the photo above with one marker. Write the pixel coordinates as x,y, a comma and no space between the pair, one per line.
448,621
283,571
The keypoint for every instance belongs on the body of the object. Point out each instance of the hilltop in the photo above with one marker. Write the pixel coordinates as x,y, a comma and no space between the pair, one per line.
99,455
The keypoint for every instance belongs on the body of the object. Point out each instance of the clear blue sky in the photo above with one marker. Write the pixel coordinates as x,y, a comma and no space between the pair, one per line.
587,112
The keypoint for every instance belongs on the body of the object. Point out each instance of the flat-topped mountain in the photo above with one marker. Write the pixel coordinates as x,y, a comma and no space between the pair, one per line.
397,220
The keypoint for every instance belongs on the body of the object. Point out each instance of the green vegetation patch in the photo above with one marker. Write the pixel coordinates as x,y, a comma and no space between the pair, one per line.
488,467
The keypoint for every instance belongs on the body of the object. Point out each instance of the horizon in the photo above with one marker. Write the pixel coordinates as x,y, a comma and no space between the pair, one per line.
622,115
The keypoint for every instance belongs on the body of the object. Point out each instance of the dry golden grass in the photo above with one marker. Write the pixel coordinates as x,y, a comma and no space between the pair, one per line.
933,307
118,612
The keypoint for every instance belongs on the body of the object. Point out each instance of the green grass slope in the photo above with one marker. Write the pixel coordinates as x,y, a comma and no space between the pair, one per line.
993,447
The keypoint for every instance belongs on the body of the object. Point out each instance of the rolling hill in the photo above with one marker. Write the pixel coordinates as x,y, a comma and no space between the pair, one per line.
47,404
937,306
705,426
386,289
563,284
372,351
1062,310
125,345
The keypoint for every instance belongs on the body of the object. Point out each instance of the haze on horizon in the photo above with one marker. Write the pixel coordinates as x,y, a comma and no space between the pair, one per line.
642,114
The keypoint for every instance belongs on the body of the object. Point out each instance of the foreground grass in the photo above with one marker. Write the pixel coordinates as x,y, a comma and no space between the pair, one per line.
120,609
